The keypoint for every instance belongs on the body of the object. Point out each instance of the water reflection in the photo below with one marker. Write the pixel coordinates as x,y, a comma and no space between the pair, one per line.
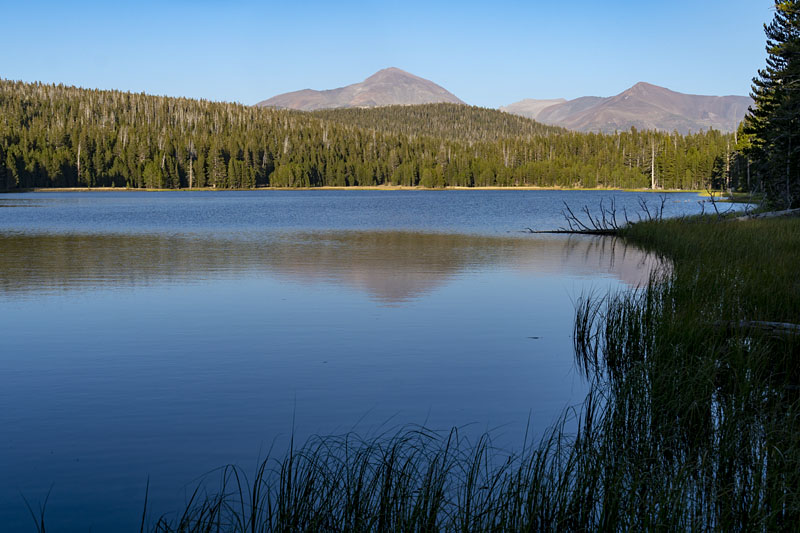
131,347
391,267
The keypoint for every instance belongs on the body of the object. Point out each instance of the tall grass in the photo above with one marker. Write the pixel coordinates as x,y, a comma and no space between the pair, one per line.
412,480
697,388
692,421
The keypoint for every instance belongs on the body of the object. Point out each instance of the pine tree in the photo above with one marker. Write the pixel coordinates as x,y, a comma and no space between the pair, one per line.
774,119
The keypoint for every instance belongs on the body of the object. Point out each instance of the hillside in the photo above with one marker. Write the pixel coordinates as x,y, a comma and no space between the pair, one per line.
390,86
643,106
450,121
530,107
57,136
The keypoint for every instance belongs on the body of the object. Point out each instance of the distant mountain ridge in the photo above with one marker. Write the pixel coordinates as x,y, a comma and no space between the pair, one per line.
390,86
644,106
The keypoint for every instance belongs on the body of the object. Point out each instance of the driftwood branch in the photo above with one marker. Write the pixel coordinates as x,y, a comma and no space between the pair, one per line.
575,232
713,200
655,214
608,221
771,214
772,329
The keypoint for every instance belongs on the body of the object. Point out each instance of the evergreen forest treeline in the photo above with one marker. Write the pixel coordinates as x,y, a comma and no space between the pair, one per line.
448,121
59,136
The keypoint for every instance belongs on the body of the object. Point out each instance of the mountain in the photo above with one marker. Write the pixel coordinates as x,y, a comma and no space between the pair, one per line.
47,131
390,86
644,106
531,107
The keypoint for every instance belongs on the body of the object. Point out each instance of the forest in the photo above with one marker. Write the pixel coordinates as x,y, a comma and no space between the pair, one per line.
60,136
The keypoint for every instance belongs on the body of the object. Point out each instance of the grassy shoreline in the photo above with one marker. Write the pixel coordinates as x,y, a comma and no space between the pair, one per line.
692,422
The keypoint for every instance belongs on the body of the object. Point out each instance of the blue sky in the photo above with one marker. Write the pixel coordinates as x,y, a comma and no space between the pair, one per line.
486,53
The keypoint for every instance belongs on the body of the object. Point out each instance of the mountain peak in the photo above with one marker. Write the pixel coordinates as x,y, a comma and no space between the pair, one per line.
392,74
389,70
644,88
388,86
645,106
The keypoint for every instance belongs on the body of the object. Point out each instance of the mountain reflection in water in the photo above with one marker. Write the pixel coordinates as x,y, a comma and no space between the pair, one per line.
391,267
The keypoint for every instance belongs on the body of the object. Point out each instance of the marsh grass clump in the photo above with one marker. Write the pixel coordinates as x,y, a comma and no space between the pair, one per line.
411,480
701,368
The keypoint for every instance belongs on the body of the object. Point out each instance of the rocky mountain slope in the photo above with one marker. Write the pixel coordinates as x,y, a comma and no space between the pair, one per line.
390,86
643,106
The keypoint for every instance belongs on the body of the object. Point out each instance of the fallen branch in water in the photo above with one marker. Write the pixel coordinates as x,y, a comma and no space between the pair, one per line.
604,223
576,232
713,200
773,329
770,214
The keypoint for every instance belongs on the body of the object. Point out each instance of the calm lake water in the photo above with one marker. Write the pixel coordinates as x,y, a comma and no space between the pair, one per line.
163,335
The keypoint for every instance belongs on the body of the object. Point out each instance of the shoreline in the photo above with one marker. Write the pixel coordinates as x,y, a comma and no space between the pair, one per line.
355,188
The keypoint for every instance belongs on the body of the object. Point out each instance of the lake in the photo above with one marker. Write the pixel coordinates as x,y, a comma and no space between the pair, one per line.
161,335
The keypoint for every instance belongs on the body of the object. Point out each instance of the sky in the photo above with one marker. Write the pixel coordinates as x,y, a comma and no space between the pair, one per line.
487,53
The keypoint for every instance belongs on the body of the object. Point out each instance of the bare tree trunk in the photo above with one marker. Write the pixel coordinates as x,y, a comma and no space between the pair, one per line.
748,174
79,162
788,176
653,165
728,168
